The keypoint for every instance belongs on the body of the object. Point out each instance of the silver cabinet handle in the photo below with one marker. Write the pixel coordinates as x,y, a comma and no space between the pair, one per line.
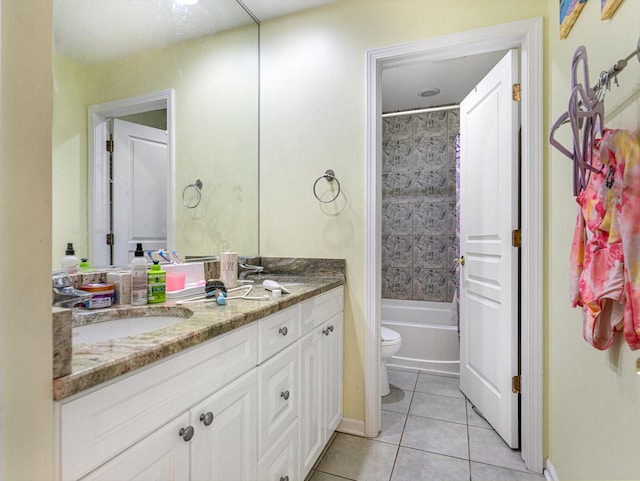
285,395
207,418
187,433
330,328
325,332
284,478
283,331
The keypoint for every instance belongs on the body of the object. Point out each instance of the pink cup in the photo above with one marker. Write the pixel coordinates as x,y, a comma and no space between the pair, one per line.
175,281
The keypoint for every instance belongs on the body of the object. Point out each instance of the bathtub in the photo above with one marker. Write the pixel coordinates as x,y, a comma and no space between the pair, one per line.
429,333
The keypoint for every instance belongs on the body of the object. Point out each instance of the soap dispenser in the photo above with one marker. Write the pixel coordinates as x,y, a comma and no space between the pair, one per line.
157,284
138,278
70,262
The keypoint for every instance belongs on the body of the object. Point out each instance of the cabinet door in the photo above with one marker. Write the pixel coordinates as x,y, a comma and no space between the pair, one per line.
161,456
281,461
224,446
277,396
311,422
333,360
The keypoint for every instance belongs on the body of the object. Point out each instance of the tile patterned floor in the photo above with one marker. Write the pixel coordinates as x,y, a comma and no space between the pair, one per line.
429,432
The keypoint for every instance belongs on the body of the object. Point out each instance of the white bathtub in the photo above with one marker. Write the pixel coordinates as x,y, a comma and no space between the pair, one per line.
429,333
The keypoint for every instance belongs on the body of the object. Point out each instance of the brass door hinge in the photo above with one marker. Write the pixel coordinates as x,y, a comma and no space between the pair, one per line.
516,238
515,384
110,146
110,240
516,93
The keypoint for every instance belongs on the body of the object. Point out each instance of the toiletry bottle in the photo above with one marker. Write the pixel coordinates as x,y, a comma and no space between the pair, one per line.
229,269
138,278
84,264
70,261
157,284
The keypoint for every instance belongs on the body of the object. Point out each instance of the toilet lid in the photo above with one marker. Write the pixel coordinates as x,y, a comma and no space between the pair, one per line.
388,334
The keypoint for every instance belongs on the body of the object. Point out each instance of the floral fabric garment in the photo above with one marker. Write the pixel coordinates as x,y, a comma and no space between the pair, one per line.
597,260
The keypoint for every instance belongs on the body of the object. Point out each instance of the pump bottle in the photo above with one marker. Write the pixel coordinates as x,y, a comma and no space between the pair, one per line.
157,284
70,261
138,278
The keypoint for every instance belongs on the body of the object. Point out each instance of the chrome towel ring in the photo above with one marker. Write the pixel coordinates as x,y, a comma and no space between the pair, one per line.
198,188
329,176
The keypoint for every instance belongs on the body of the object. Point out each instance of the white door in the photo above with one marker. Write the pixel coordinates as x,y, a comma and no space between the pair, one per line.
311,422
489,124
161,456
140,179
333,362
225,443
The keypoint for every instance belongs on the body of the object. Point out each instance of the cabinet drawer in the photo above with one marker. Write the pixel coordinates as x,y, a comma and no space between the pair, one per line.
277,331
281,461
97,426
277,396
319,309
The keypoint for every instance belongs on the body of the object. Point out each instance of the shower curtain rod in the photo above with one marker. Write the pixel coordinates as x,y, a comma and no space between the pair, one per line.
420,111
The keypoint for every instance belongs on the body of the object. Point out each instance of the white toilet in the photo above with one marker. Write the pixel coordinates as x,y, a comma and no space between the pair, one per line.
391,342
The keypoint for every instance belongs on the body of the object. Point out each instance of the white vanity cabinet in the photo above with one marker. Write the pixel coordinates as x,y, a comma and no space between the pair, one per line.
320,361
215,440
256,403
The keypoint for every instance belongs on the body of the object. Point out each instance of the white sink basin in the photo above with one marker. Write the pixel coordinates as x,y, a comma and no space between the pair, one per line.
117,328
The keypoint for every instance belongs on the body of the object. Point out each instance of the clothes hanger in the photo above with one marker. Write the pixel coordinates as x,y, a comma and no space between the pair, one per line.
585,113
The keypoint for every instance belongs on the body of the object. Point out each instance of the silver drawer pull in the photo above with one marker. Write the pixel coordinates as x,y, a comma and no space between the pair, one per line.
285,395
207,418
330,328
186,433
283,331
284,478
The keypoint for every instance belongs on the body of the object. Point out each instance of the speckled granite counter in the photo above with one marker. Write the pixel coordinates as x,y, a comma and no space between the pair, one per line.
94,363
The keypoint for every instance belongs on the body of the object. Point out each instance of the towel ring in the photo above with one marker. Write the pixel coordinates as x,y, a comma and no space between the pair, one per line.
330,176
198,188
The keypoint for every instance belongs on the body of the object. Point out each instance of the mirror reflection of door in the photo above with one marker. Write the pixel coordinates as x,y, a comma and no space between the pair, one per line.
140,170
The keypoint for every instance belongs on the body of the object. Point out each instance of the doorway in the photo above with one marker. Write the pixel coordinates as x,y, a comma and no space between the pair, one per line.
101,178
526,36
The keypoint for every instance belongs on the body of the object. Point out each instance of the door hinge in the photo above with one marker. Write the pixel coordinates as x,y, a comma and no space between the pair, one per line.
516,238
516,93
515,384
110,240
110,146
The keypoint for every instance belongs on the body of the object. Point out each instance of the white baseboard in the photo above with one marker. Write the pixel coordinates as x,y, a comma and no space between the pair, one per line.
351,426
549,472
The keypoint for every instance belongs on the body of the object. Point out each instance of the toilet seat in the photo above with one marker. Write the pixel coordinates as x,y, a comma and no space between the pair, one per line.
388,335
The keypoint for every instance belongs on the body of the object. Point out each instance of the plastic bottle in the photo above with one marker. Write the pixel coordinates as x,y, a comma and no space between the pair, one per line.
70,261
157,280
84,264
138,278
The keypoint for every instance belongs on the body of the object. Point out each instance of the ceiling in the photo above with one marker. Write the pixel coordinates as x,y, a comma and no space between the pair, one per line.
98,31
454,78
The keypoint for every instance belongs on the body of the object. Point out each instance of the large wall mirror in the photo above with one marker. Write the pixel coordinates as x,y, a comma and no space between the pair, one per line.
186,72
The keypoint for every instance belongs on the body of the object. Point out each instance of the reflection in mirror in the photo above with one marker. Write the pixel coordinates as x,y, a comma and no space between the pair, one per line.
204,60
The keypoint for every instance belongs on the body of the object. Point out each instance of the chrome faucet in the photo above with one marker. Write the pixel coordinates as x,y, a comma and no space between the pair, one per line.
64,294
245,269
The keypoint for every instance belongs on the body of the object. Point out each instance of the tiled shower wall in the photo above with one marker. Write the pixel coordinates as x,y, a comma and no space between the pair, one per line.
419,205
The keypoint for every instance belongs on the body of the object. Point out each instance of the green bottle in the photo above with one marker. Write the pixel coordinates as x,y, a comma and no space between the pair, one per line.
157,284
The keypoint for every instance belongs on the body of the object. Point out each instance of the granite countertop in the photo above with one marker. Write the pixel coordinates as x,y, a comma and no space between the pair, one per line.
94,363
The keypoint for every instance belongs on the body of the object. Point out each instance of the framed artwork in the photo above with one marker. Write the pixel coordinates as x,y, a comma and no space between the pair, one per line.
608,7
569,11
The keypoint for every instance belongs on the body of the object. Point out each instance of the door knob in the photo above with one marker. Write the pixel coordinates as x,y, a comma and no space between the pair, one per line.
207,418
186,433
459,260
